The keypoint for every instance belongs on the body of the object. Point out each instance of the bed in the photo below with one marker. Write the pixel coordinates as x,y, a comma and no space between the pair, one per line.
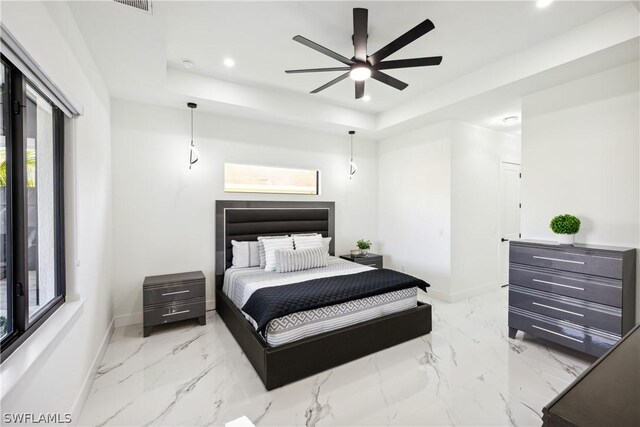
302,343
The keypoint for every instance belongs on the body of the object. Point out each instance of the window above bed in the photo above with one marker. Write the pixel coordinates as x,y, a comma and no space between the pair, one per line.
266,179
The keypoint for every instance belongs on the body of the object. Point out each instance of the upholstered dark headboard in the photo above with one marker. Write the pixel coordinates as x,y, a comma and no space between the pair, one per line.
246,220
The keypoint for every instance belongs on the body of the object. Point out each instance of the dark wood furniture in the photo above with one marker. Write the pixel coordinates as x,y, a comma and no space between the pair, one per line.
580,296
277,366
371,259
173,297
606,394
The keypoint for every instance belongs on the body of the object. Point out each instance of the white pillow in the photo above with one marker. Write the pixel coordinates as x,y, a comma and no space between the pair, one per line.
245,254
308,241
270,248
326,241
261,247
299,259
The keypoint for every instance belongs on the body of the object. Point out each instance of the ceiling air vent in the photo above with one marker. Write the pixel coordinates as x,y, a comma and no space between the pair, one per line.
143,5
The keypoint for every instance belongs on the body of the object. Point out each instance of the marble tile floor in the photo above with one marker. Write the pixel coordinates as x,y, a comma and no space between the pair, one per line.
467,372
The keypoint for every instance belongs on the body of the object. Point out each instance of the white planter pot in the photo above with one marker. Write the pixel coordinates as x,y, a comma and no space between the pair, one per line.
566,239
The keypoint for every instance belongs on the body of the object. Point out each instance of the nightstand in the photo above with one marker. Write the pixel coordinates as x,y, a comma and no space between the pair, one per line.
173,297
372,260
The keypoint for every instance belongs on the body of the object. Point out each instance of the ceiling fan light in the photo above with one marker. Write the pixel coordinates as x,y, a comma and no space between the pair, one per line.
360,73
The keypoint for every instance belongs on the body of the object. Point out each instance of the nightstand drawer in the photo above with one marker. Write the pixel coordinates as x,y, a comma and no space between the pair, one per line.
582,313
595,289
372,263
173,292
371,260
567,260
158,314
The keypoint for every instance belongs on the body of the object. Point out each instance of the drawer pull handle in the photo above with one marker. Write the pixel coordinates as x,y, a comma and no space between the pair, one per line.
558,259
559,334
176,313
175,293
558,284
558,309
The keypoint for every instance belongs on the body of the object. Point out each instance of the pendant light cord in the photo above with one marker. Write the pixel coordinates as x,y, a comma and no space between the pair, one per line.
352,148
193,154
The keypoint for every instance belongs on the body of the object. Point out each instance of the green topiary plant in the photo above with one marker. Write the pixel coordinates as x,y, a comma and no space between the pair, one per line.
363,244
565,224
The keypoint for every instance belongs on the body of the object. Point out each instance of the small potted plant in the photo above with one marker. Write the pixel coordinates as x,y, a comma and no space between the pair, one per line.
565,226
364,246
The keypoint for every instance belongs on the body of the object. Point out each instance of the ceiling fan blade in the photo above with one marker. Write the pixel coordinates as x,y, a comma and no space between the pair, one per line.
359,89
360,22
415,33
331,83
387,79
408,63
322,49
317,70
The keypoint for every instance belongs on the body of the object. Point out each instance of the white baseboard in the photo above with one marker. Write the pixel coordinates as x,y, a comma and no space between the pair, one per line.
136,318
462,295
89,377
470,293
442,296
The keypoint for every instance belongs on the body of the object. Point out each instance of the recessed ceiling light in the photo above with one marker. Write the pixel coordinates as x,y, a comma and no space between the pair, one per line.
366,98
510,121
187,63
229,62
543,3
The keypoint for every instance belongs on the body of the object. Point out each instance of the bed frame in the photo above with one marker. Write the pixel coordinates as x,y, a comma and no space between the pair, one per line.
277,366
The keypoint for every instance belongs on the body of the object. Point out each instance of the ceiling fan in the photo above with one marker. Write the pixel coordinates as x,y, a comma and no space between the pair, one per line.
362,66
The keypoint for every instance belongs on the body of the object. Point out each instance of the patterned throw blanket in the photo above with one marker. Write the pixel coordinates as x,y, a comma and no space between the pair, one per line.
271,303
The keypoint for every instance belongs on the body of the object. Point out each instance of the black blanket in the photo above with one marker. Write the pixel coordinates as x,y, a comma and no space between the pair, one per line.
270,303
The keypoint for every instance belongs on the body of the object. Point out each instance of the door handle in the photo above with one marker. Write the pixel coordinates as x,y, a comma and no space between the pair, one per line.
504,240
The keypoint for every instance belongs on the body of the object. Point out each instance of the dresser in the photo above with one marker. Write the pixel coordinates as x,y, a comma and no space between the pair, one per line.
579,296
173,297
372,260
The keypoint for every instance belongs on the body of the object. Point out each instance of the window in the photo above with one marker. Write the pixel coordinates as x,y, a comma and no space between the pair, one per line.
265,179
31,201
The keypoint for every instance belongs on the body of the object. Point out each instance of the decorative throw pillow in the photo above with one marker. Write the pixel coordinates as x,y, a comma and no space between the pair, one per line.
270,247
245,254
300,259
261,247
307,241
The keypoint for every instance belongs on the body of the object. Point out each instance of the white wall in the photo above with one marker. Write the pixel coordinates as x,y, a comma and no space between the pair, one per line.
55,383
580,155
439,205
164,213
476,154
414,204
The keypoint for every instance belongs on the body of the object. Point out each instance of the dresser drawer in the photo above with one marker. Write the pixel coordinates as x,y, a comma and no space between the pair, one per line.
595,289
158,314
582,313
173,292
587,340
567,260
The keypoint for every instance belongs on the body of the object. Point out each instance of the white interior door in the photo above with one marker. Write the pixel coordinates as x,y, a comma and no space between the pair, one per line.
509,213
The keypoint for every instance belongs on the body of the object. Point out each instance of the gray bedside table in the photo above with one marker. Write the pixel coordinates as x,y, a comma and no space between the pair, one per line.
372,260
173,297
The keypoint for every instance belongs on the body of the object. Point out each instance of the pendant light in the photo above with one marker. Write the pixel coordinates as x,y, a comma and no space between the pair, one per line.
352,166
193,152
